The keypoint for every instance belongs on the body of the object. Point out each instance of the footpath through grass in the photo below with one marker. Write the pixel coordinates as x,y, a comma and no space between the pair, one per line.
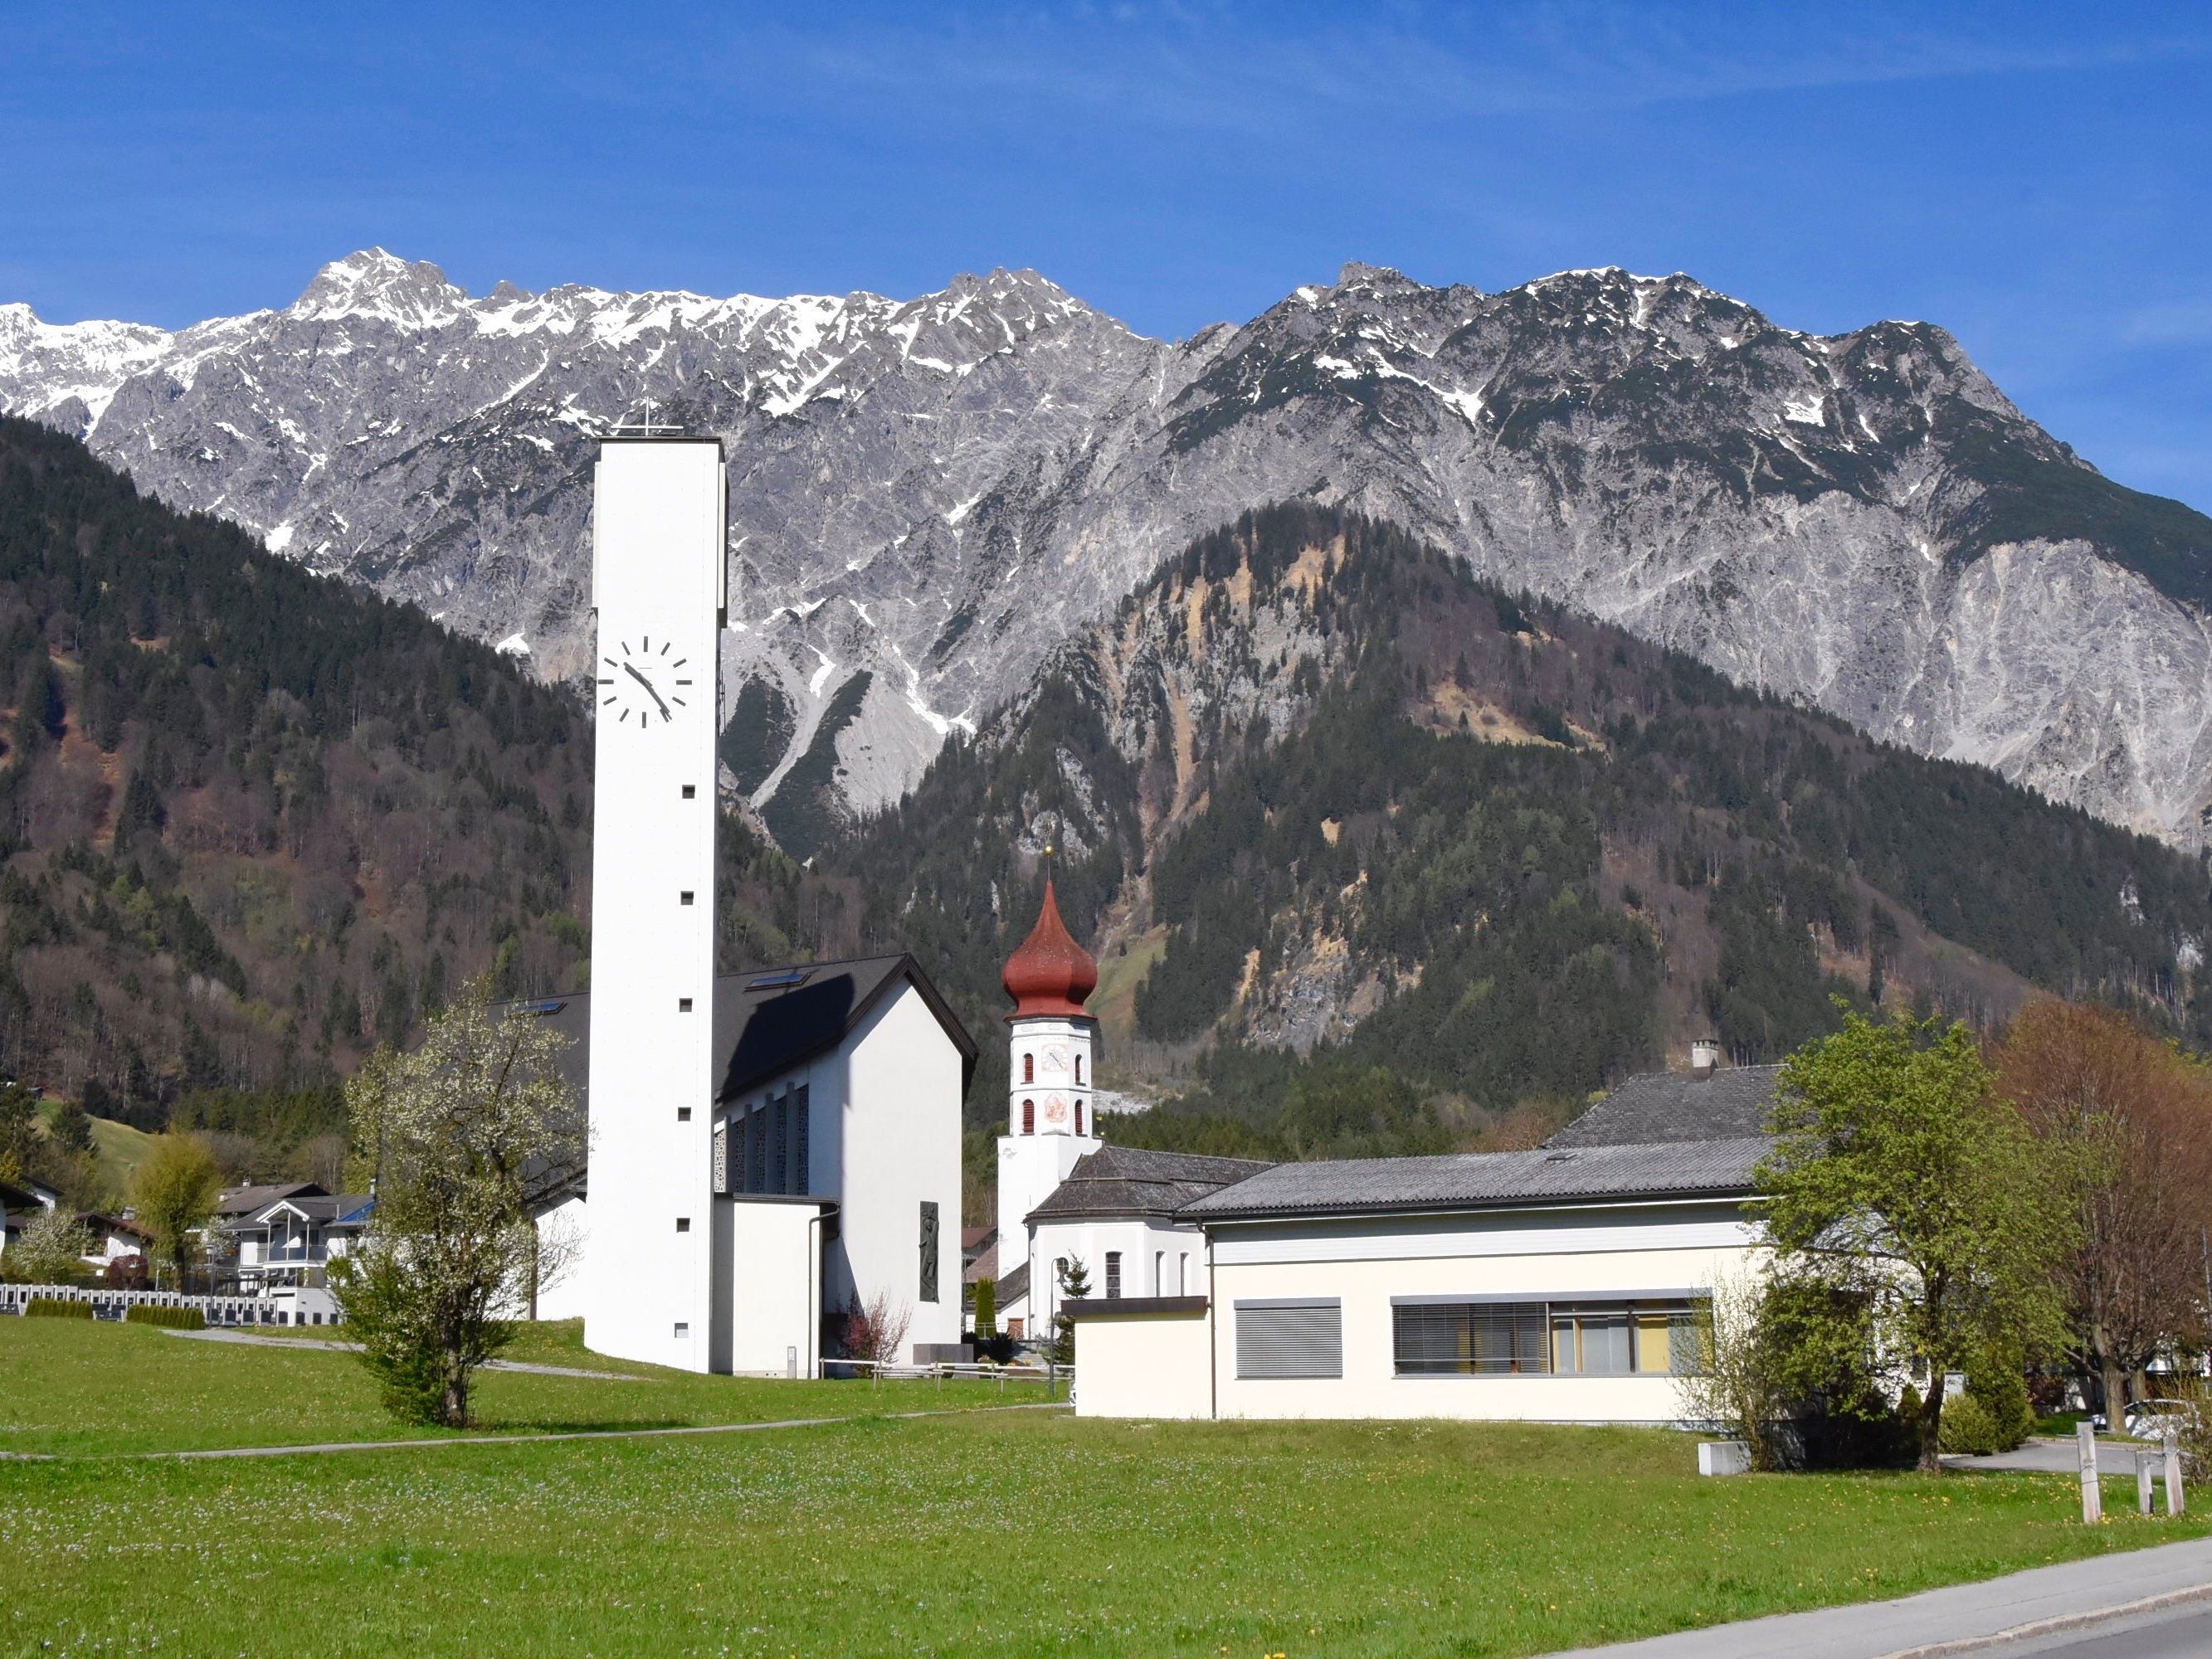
1006,1533
77,1387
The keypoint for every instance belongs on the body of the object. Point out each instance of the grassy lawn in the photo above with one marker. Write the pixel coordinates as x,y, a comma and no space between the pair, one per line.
77,1387
988,1534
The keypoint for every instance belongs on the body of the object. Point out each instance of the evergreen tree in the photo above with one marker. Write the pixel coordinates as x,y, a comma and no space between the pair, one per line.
1074,1287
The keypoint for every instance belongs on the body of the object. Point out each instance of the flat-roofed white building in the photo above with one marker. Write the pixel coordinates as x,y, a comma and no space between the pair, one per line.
1560,1285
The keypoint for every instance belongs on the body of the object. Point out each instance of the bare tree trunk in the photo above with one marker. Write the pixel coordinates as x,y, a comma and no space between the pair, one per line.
2115,1380
1931,1426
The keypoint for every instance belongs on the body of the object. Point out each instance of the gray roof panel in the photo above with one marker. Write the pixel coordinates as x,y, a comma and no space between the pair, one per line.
1659,1107
1487,1180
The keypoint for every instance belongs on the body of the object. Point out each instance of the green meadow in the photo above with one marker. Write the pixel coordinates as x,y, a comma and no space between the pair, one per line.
975,1531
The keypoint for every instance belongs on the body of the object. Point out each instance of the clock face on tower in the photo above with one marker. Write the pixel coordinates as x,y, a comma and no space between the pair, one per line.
1056,1059
648,681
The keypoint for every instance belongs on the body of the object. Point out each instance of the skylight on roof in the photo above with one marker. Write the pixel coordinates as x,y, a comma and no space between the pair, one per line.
552,1005
780,980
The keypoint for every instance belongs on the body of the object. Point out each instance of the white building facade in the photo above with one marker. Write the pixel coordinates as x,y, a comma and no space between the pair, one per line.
830,1160
659,567
1558,1287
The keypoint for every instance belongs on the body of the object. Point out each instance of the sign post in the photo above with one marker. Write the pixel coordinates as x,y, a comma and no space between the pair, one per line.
2092,1497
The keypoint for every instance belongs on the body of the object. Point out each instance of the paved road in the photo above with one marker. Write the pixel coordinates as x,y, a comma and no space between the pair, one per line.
2184,1632
2059,1457
1963,1618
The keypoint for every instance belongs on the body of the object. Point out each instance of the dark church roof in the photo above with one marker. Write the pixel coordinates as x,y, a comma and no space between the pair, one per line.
1137,1180
769,1020
1660,1108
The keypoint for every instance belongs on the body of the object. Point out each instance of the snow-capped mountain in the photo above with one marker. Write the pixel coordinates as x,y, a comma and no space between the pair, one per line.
926,496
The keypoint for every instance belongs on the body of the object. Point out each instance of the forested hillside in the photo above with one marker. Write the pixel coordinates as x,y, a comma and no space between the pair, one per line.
1377,856
253,822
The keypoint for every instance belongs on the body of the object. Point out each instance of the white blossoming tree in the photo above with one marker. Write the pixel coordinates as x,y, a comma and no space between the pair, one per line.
454,1135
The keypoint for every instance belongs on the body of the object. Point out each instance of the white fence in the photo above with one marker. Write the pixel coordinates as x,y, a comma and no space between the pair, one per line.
218,1311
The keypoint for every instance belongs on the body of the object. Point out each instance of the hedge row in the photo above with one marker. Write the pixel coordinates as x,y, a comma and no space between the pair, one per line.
174,1319
52,1306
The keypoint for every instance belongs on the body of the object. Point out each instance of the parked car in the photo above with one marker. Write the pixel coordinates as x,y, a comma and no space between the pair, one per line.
2149,1420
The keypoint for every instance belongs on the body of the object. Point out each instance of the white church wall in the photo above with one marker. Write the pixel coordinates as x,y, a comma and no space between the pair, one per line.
1136,1240
770,1252
899,1138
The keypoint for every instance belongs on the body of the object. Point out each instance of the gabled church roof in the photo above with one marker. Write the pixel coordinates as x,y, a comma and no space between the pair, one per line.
1138,1181
769,1020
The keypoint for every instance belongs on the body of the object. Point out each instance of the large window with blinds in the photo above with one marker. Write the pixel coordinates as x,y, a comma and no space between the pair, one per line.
1284,1338
1442,1336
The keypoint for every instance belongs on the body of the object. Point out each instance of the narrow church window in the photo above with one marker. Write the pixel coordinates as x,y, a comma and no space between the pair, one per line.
929,1275
1078,1117
1159,1272
1078,1071
1029,1117
1029,1069
1113,1273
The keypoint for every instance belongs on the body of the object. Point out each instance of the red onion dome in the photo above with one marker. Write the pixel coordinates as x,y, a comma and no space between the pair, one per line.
1051,974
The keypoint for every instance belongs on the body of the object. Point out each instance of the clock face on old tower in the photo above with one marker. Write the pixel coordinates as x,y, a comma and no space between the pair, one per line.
645,680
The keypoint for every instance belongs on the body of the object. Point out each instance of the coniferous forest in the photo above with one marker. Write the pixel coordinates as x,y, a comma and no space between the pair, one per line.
1376,857
1315,769
253,822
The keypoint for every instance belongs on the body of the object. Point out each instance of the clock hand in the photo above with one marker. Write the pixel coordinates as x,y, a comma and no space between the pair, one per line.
647,684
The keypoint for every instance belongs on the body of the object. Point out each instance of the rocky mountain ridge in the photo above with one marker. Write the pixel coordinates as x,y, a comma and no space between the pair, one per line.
928,497
1314,790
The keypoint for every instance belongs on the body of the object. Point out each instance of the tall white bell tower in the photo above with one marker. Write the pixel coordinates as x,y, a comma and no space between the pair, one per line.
1052,1043
659,577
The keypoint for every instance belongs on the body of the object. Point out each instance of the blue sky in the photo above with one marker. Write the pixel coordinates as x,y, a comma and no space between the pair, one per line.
2038,178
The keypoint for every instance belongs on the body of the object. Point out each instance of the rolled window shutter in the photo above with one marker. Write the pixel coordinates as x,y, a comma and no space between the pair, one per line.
1290,1338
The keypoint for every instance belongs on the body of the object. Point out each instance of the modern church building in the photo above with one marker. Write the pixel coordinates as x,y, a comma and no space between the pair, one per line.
766,1150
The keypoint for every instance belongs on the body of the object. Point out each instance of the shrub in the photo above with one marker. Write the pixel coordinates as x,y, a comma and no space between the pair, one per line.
2001,1384
52,1306
1968,1427
170,1319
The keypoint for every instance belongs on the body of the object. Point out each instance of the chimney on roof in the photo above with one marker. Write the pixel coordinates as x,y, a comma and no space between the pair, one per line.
1705,1057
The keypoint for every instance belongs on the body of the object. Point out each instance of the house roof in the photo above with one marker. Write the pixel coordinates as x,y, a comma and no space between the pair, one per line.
1487,1180
769,1020
13,1197
1138,1181
114,1223
1013,1287
985,1264
1730,1104
331,1209
237,1203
